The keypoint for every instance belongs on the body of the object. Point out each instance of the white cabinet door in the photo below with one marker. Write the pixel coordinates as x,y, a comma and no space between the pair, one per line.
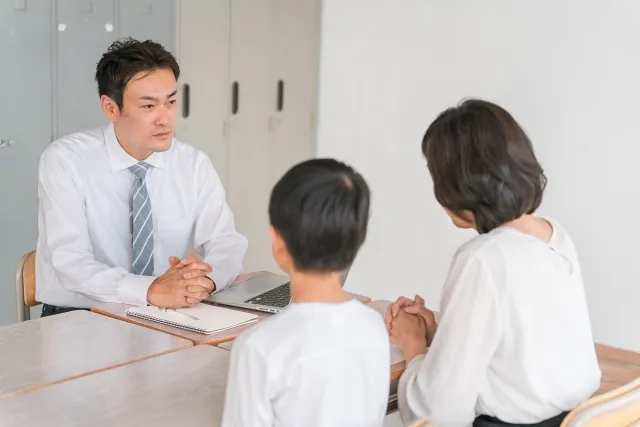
85,29
295,83
256,64
25,131
148,20
252,97
203,55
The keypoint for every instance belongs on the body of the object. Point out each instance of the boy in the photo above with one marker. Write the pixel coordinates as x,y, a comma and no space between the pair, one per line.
324,360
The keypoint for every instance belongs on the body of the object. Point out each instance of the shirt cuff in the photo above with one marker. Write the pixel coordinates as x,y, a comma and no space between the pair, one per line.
405,392
414,365
134,289
220,279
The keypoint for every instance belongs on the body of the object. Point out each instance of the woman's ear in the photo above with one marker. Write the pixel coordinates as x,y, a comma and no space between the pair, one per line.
463,219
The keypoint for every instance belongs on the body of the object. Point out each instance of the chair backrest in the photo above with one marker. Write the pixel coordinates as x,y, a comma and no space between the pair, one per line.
26,285
29,280
419,423
618,408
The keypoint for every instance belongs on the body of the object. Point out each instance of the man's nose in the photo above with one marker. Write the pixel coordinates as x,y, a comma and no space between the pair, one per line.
163,117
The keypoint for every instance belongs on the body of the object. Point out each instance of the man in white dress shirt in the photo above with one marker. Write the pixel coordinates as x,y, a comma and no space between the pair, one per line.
118,201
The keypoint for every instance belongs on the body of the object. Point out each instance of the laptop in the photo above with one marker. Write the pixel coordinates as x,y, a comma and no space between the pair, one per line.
267,292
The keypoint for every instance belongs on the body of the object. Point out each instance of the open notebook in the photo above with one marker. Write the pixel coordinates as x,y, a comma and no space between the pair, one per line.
202,318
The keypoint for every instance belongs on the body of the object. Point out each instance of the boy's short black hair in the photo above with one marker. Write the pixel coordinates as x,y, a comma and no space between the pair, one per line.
127,57
320,207
481,160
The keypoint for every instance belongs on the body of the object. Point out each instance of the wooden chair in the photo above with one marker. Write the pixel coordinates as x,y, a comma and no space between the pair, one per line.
26,286
618,408
419,423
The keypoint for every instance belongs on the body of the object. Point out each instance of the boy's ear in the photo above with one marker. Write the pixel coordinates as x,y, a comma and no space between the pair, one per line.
277,244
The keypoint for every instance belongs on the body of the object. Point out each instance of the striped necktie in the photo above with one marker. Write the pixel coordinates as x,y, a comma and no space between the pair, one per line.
141,222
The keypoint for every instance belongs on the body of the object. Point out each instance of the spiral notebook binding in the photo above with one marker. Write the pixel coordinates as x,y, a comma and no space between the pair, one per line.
168,322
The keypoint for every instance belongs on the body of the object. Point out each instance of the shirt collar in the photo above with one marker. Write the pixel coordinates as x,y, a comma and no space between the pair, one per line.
120,159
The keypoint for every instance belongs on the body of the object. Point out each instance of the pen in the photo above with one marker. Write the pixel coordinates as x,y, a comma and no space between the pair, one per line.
179,312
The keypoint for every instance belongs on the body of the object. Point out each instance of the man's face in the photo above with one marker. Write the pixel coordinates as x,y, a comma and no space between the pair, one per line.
146,121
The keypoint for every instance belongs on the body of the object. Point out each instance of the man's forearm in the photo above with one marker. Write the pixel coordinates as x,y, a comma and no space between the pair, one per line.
88,277
226,261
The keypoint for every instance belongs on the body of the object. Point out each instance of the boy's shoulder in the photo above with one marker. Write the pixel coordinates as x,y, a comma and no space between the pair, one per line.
299,321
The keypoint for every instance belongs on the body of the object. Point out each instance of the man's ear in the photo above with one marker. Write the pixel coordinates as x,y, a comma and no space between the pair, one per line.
110,108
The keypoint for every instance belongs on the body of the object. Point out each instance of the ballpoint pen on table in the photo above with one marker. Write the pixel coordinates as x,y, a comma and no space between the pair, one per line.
179,312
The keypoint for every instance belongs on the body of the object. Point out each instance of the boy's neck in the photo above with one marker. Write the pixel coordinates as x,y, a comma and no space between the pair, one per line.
314,287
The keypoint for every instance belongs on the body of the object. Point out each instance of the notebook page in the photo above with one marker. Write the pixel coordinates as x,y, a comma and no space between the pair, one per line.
202,318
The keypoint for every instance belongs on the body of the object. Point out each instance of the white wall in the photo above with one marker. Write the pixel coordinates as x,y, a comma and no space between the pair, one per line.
569,71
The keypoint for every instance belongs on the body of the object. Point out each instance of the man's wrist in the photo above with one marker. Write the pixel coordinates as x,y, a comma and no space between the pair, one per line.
219,280
214,284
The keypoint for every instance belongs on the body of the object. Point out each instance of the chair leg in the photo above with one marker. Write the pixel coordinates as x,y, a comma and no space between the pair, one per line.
27,313
20,306
23,312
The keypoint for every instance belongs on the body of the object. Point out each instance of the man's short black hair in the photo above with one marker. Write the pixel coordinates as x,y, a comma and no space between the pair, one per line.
481,160
127,57
320,207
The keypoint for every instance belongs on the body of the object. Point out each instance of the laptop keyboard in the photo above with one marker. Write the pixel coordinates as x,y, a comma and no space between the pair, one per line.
276,297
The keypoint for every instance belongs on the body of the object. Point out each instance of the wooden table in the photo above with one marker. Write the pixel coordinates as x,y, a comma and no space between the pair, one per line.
46,351
184,388
118,311
619,367
226,345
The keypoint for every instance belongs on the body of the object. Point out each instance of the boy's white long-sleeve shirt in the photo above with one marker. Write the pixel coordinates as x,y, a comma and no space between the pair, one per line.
314,364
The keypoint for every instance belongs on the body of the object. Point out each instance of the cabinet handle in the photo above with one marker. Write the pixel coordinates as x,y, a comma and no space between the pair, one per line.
185,100
235,106
280,104
6,142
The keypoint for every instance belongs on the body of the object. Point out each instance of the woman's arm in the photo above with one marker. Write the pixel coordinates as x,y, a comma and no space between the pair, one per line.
444,384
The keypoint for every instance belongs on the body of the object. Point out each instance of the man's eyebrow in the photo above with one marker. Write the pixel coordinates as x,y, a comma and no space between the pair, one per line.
155,98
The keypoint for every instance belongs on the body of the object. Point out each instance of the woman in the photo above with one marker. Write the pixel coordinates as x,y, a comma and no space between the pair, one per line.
513,345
